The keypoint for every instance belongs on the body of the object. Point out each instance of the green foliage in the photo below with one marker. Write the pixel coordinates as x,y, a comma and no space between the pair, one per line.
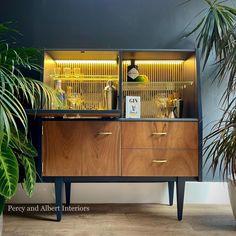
220,144
30,174
217,21
15,147
217,33
9,171
14,86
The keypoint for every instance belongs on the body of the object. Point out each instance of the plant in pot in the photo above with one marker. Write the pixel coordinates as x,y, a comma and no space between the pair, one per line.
216,35
16,149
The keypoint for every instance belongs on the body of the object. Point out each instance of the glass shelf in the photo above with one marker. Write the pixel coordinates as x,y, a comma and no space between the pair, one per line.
96,78
155,86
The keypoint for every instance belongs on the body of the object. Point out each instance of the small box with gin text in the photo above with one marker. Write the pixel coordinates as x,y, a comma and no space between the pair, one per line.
132,107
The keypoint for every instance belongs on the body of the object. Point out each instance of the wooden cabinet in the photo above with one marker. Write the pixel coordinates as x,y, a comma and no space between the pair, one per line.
160,135
163,143
95,148
159,149
81,148
157,162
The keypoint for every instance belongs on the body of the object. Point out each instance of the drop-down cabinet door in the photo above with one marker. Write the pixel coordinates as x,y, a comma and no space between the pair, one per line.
81,148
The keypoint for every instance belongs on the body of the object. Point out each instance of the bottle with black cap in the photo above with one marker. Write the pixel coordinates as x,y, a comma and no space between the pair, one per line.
133,72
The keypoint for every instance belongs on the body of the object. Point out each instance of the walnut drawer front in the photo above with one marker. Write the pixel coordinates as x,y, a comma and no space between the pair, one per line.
159,135
84,148
156,162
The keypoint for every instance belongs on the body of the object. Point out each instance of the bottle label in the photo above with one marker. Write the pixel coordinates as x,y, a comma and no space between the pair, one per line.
133,73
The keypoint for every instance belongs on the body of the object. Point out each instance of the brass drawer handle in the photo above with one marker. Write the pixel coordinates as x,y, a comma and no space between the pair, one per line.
159,133
159,161
104,133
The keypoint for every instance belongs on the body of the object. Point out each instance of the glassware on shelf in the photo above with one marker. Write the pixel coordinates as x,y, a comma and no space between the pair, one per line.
67,72
77,72
161,107
68,96
178,105
175,105
57,72
74,100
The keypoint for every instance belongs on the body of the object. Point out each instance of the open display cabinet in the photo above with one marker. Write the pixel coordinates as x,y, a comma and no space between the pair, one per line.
168,86
90,138
79,78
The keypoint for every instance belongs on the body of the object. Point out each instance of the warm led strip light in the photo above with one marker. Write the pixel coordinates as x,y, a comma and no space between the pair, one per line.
86,61
137,62
146,62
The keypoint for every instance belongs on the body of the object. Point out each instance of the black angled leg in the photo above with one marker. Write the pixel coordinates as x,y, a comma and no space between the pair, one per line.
68,192
171,185
180,187
58,193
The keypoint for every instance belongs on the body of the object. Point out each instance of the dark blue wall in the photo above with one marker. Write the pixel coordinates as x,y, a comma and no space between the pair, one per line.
101,23
111,24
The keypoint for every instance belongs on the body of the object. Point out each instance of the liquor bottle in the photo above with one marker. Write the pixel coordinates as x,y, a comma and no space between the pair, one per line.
59,91
133,72
110,96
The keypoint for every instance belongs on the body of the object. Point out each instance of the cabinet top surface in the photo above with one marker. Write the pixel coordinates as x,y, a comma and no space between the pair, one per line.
127,53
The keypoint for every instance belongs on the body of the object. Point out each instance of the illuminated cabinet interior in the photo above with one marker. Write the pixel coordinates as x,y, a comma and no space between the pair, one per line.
122,116
82,75
165,77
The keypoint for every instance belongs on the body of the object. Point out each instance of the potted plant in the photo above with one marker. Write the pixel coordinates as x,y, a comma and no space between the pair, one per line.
16,149
216,34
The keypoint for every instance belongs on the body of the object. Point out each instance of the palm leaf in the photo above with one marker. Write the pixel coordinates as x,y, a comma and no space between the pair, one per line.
219,145
212,28
9,171
216,32
6,28
11,110
30,173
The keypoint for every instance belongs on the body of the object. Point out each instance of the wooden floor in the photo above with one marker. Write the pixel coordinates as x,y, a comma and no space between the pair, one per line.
125,219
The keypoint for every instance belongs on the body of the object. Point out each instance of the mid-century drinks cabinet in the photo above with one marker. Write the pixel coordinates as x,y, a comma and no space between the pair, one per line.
85,142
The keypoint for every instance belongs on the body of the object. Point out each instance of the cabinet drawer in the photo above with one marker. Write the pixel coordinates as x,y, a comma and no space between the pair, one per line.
81,148
160,135
154,162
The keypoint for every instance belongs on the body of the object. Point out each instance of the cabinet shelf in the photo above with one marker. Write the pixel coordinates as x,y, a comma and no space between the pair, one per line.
81,78
73,113
155,86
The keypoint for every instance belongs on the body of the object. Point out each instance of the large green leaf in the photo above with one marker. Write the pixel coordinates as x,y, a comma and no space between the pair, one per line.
14,88
9,171
10,108
30,174
21,145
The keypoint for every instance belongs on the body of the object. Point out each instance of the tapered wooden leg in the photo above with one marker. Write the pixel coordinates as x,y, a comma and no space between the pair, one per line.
180,187
171,185
68,192
58,193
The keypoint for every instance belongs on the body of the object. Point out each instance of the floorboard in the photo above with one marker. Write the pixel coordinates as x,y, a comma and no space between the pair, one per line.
124,219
